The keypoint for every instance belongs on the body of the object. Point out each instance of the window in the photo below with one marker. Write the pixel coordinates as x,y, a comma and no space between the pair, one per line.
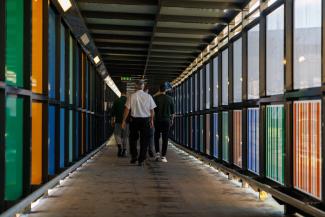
196,92
51,140
62,137
207,134
237,55
275,52
253,63
207,86
307,43
215,134
62,63
202,89
71,77
225,137
215,82
51,53
253,140
237,137
225,81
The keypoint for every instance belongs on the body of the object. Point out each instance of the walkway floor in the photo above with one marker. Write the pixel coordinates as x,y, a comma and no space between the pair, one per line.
110,187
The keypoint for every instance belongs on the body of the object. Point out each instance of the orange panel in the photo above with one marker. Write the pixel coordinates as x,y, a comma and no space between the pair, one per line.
36,143
37,46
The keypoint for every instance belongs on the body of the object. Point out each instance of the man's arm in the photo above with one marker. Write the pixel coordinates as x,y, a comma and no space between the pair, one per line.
125,116
152,115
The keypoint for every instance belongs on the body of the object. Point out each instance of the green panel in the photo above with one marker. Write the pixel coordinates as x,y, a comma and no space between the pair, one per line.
14,42
70,70
225,137
14,148
275,143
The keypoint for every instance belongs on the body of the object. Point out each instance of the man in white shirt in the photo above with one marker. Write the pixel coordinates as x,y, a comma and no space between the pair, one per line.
142,108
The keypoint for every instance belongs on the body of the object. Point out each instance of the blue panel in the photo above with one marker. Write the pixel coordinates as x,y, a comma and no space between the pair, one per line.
253,140
77,77
62,137
62,64
51,141
215,135
51,53
194,132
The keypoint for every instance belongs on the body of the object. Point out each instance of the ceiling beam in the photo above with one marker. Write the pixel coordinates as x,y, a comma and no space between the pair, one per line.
124,58
180,40
201,4
193,31
191,19
180,48
127,28
121,2
120,45
125,52
121,37
117,15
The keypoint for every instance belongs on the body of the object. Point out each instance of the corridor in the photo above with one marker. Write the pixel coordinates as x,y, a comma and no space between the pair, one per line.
108,186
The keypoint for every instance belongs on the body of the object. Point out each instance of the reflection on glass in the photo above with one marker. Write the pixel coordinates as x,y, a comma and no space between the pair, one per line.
275,52
207,86
215,82
37,126
225,81
307,43
237,70
253,62
253,140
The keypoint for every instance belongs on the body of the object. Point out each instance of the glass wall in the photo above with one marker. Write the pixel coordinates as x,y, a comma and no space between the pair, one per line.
307,43
225,136
225,81
215,135
237,85
207,86
237,137
253,140
207,134
215,82
52,53
253,55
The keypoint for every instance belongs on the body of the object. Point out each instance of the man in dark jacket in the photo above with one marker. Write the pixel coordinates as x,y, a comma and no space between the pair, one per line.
164,118
121,135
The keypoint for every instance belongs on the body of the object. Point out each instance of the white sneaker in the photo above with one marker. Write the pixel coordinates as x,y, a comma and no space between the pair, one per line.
164,159
157,157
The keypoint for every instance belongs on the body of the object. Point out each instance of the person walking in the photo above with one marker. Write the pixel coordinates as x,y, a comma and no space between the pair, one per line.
142,108
164,119
151,144
121,135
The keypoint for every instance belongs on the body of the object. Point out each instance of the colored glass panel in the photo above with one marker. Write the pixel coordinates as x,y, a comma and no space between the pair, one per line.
51,53
253,140
51,140
62,137
207,86
237,137
14,42
37,150
70,136
82,133
275,142
77,76
216,135
225,81
207,134
215,82
14,148
37,46
307,158
237,55
71,60
62,63
201,89
225,136
196,92
201,134
87,133
77,135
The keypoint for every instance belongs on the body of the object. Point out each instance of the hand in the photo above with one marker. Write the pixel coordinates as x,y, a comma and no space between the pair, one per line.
151,124
123,125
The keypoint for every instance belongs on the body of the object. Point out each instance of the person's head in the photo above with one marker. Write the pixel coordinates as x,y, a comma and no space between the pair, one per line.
163,88
123,90
140,84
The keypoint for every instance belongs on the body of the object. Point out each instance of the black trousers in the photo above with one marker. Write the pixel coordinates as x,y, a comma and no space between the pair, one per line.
139,126
162,127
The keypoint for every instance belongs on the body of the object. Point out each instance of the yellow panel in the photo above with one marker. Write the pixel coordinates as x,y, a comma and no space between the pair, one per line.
37,45
36,143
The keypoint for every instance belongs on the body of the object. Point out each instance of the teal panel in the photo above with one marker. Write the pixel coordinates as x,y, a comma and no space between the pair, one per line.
14,148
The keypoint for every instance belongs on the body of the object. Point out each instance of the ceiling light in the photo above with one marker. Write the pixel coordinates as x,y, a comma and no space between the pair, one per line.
84,38
96,60
65,4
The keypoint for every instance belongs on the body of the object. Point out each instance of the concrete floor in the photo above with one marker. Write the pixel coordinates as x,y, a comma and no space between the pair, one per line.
110,187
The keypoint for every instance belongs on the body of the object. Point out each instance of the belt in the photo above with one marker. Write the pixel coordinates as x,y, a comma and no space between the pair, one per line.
140,118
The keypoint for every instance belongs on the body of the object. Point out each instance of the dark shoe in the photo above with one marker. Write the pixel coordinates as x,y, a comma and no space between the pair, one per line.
124,153
133,161
141,164
119,150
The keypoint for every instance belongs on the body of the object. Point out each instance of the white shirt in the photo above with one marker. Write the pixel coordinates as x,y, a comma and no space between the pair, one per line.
140,104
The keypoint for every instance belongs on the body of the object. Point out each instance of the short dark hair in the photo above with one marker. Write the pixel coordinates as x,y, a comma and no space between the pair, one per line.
162,87
123,89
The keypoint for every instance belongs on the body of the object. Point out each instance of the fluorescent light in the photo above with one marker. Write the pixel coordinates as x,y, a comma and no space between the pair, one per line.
84,38
65,4
96,60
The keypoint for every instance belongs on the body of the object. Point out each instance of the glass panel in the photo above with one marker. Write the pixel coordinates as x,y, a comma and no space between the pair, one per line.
82,133
275,143
14,148
225,81
62,137
71,60
215,82
225,137
196,91
62,63
87,84
71,136
307,43
275,52
83,68
37,150
37,46
14,42
207,86
51,53
196,126
191,93
207,134
87,133
253,62
77,75
51,140
253,140
77,134
237,140
201,133
202,89
216,135
307,147
237,70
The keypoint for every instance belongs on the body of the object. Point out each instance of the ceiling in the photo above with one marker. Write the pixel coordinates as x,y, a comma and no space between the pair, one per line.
156,39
